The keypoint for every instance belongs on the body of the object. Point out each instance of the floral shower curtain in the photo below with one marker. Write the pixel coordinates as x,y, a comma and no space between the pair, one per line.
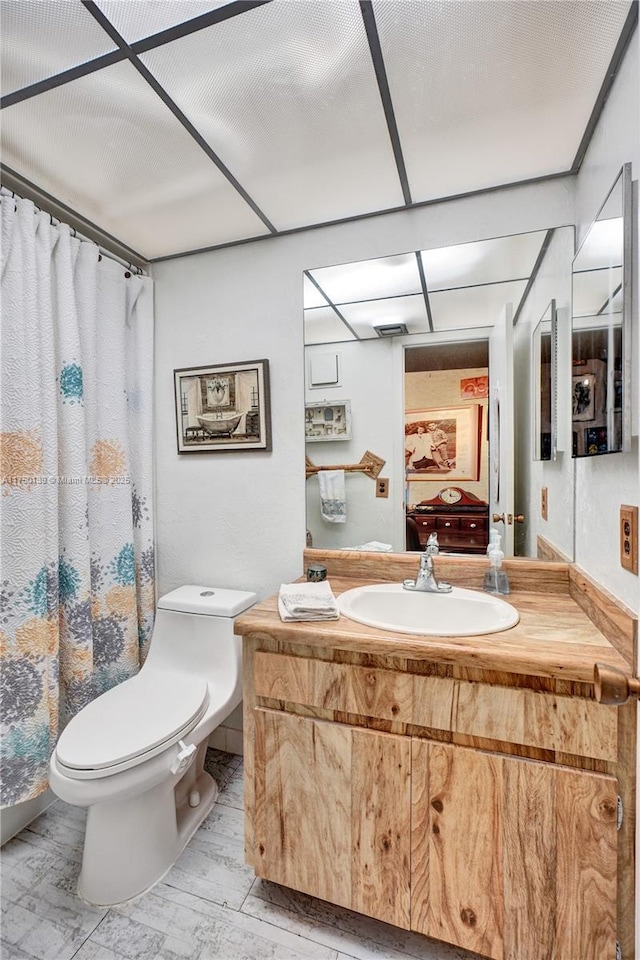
77,585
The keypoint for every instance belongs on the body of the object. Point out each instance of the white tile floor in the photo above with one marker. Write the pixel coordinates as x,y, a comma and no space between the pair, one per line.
208,907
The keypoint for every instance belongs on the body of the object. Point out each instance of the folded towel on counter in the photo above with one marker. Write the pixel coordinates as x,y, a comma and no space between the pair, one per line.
307,601
376,546
333,503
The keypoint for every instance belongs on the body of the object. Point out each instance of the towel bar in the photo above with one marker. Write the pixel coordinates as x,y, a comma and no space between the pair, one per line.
369,464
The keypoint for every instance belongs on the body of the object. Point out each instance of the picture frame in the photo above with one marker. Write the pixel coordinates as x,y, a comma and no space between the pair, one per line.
223,407
327,420
450,442
595,440
583,396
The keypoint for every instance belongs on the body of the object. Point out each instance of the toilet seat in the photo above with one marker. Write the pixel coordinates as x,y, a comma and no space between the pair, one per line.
131,723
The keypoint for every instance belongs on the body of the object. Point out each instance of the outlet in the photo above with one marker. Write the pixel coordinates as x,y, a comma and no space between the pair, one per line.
382,487
544,498
629,538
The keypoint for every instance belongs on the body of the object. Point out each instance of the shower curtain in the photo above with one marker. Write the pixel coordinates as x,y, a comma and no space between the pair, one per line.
77,587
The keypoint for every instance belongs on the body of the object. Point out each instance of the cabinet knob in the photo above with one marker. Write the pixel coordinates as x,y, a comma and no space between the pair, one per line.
613,686
447,524
472,526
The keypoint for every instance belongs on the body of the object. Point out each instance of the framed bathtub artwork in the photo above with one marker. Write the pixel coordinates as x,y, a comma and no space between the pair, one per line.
223,407
327,420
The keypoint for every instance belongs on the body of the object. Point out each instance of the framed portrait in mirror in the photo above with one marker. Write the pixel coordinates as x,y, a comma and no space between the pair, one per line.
443,442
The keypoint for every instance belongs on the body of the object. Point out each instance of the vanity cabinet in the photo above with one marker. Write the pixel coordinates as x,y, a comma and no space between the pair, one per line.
476,812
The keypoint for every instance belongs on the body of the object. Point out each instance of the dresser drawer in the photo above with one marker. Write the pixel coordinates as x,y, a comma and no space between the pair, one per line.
474,524
447,523
425,523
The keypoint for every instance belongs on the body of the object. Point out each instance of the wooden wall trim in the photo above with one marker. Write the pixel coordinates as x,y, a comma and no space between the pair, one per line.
549,552
617,622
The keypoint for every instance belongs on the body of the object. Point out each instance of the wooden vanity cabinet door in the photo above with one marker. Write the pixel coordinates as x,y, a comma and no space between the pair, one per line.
332,812
511,858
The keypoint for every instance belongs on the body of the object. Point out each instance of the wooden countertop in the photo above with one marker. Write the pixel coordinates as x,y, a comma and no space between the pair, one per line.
554,638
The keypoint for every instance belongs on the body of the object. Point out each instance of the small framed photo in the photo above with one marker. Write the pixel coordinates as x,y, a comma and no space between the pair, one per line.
223,407
327,421
595,440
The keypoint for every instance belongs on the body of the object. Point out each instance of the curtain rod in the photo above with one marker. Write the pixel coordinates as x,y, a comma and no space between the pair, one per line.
109,246
7,192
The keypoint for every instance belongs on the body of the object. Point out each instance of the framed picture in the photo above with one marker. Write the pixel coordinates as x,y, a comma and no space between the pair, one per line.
223,408
327,421
595,440
474,388
443,442
584,397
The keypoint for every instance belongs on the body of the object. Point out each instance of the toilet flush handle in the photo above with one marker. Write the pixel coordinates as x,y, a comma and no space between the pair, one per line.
184,757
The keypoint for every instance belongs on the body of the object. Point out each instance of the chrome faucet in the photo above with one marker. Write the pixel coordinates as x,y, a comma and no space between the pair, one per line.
426,581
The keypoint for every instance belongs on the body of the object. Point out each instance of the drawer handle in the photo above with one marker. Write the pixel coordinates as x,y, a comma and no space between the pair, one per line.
447,524
472,526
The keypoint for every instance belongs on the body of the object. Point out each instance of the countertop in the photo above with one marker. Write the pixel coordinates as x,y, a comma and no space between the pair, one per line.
554,638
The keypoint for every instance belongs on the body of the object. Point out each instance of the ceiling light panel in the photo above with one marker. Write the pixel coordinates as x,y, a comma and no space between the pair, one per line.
40,40
133,21
312,296
288,85
369,279
473,306
484,261
517,83
363,317
323,325
110,149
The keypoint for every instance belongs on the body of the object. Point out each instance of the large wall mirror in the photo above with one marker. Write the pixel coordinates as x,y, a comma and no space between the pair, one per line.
397,365
601,319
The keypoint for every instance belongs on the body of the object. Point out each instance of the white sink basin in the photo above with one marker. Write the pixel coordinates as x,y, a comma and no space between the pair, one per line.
461,613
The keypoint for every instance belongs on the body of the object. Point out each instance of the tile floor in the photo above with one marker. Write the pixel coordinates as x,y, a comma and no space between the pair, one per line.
208,907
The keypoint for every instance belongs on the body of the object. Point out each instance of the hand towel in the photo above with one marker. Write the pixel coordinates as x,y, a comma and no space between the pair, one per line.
333,504
307,601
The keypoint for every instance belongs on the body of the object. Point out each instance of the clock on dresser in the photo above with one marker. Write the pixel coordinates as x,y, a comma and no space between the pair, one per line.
460,519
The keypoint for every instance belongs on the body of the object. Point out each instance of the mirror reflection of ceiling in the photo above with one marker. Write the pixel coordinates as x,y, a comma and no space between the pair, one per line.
464,286
179,126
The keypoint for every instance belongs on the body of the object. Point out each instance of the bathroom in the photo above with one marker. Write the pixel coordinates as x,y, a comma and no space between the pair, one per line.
239,521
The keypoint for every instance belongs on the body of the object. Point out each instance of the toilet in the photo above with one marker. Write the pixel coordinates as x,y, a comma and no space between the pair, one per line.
135,755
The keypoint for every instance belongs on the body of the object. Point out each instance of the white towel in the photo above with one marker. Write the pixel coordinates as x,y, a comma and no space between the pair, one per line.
333,504
307,601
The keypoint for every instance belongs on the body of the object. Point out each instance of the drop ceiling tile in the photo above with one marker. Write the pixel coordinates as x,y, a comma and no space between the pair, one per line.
323,325
286,95
484,261
593,289
40,40
368,279
136,20
363,317
473,306
110,149
505,90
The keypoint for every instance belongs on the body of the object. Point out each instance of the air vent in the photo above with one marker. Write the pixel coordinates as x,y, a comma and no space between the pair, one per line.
392,330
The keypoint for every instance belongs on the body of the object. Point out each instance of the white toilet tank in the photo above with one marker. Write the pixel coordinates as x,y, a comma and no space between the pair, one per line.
193,632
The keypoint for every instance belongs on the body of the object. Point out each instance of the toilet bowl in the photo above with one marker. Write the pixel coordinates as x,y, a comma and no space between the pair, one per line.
135,755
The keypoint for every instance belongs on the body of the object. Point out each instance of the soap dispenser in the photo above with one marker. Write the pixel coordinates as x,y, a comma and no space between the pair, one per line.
495,579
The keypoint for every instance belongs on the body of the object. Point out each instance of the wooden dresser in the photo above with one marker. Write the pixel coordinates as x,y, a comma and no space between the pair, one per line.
460,519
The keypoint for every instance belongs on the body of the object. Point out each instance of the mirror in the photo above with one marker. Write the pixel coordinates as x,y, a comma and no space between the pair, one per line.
544,378
365,320
601,318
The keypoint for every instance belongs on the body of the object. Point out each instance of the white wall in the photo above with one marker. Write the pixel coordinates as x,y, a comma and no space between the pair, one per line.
238,520
366,381
603,483
553,282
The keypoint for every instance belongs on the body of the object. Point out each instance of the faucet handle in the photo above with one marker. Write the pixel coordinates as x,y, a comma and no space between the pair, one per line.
433,547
